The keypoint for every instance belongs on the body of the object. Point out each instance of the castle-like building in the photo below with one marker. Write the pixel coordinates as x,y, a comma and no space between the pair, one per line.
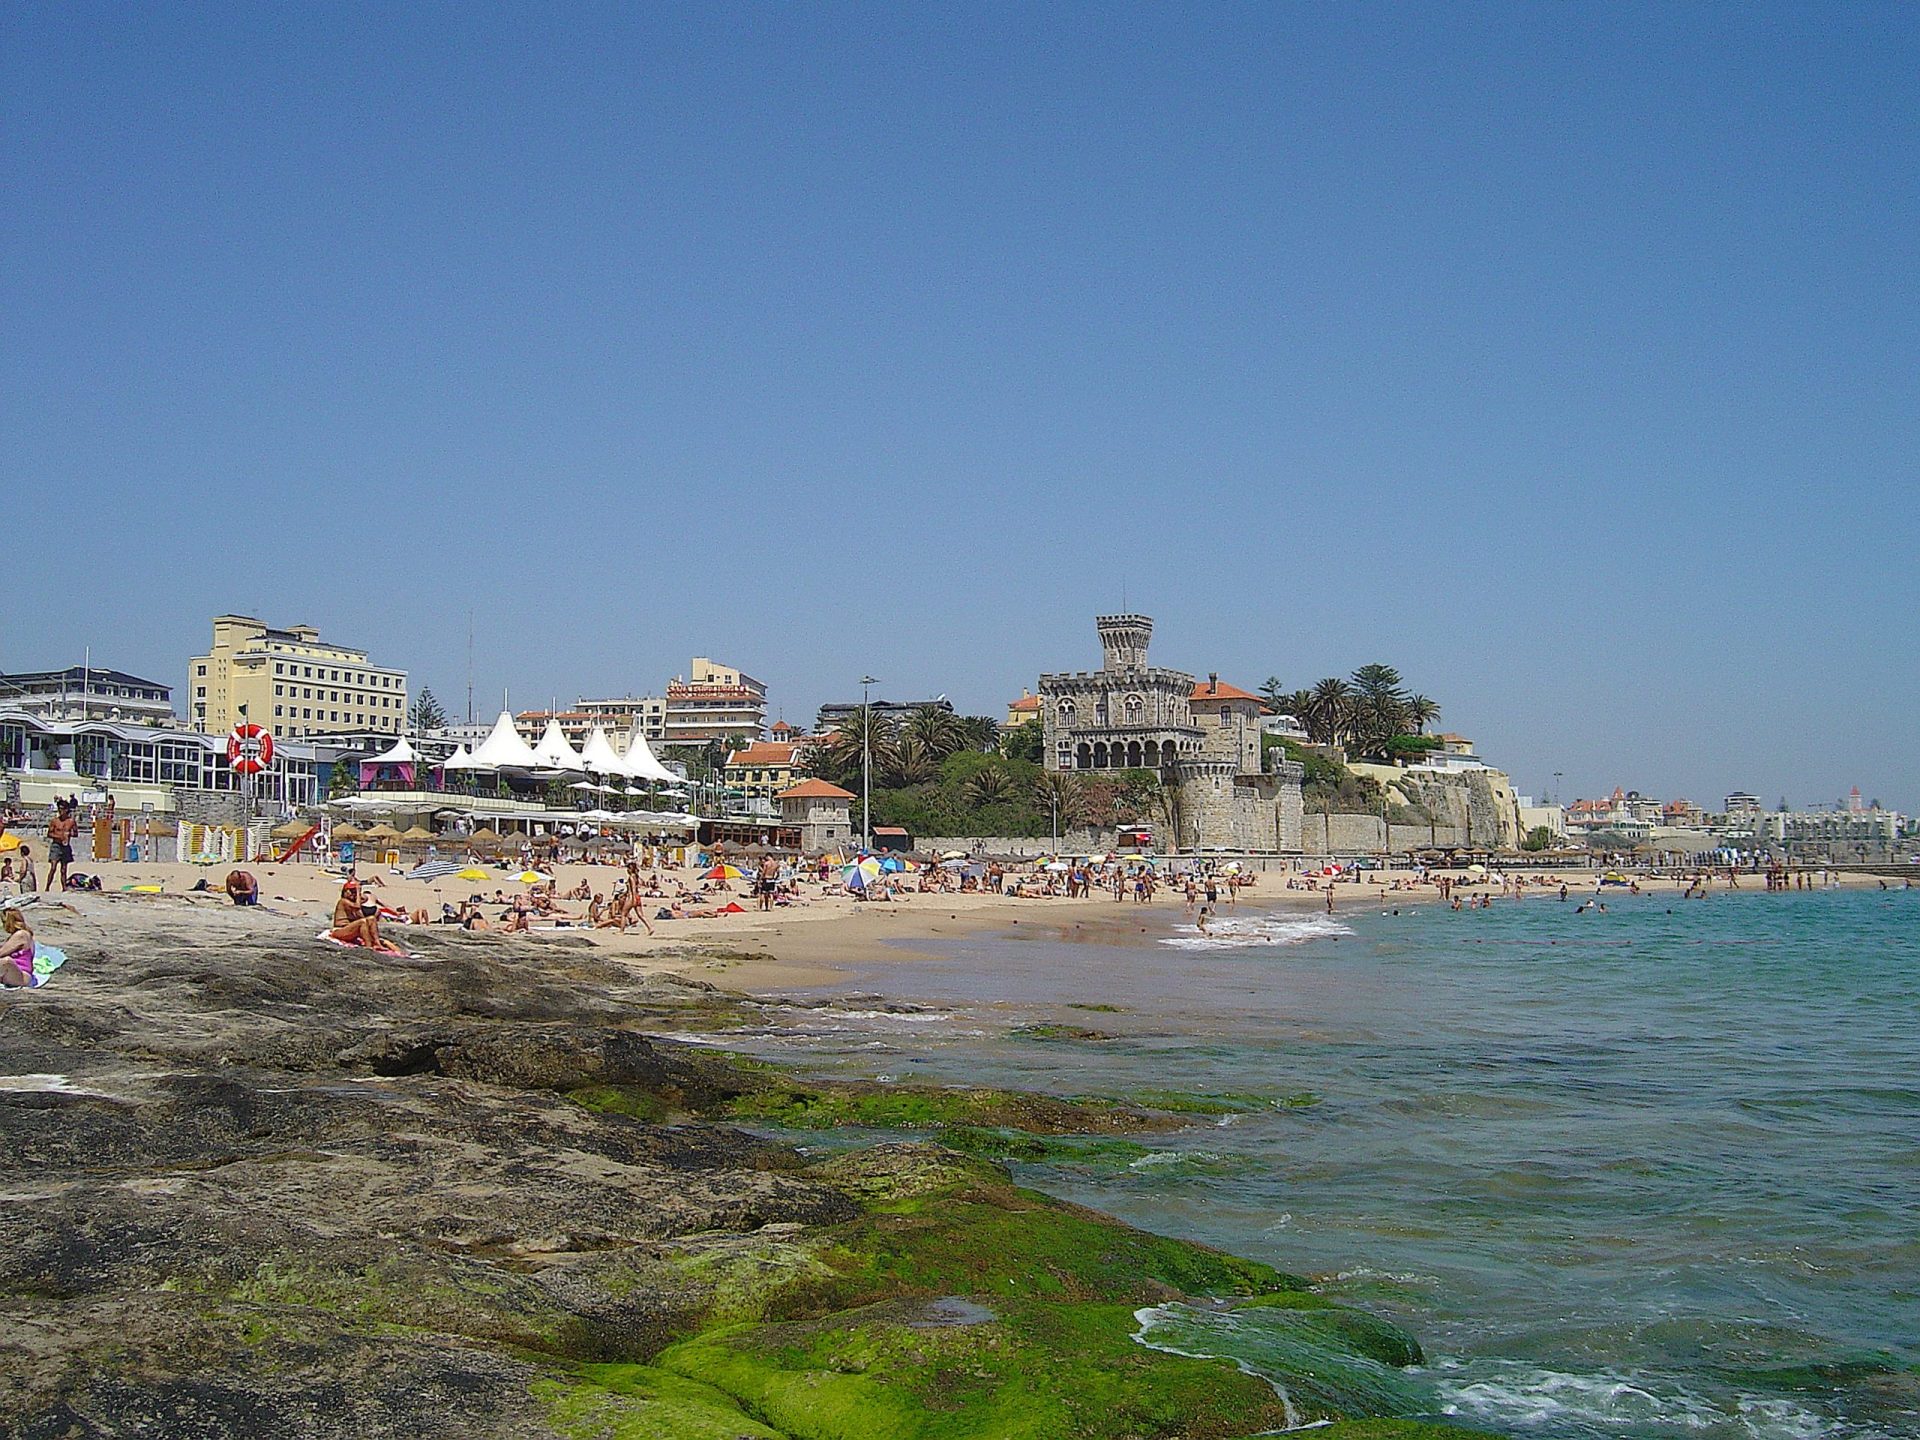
1201,737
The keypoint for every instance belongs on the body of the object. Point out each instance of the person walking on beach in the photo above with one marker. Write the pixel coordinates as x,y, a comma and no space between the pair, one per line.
766,882
1329,897
60,832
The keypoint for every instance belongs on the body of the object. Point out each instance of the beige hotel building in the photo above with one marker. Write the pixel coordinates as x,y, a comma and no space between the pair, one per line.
291,681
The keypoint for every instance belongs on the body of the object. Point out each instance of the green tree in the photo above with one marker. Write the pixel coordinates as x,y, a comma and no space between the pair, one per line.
937,729
1421,712
1540,837
978,732
1025,742
912,761
1061,793
426,712
989,786
1330,711
839,760
1275,694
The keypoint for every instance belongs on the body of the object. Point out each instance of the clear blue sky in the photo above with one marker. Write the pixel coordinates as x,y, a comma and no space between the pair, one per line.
1567,357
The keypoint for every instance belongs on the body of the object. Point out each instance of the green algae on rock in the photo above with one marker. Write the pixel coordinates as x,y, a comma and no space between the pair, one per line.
305,1195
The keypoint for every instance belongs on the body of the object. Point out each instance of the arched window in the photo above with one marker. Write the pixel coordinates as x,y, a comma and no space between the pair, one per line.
1135,708
1085,757
1066,711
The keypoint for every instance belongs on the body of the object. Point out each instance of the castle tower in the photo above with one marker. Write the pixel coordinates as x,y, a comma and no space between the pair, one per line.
1125,639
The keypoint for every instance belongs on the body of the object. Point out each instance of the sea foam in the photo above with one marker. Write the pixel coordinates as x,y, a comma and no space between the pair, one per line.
1241,932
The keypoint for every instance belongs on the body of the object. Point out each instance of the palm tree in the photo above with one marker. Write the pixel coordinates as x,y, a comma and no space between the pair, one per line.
839,759
938,729
1064,794
989,785
1422,712
1275,694
912,762
979,732
1329,711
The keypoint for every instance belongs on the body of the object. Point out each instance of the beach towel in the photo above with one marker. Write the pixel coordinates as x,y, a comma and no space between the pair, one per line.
46,960
349,945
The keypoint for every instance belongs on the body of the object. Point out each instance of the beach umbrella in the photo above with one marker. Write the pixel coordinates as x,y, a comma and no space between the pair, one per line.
1057,867
533,877
859,872
893,865
383,831
9,842
485,835
348,832
724,872
954,855
436,870
417,832
470,873
292,830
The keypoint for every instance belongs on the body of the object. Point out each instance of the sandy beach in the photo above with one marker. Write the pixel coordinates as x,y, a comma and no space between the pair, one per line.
808,941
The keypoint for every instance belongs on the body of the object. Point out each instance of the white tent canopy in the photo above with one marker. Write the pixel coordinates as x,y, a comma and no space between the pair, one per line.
461,759
398,753
503,749
640,762
598,755
554,752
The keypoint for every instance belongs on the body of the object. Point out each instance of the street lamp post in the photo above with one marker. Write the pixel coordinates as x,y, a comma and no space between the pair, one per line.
866,765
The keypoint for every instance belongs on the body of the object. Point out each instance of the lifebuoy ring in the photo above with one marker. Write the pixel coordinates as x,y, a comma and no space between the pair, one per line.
249,749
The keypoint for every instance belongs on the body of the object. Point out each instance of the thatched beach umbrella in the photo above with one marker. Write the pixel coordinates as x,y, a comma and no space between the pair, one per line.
349,831
291,830
484,836
417,834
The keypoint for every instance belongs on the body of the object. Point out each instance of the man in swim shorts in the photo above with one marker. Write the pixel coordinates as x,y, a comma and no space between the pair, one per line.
60,832
242,888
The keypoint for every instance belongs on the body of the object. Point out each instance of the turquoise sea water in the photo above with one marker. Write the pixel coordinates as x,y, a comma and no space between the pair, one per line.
1648,1173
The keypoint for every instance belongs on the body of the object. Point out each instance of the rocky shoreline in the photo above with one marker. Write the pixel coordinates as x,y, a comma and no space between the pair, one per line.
255,1184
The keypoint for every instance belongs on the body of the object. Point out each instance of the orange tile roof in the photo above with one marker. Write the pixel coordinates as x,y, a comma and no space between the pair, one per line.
1025,702
1220,690
814,790
763,752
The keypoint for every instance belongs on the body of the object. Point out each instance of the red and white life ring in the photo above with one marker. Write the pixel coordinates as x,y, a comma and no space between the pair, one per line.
249,749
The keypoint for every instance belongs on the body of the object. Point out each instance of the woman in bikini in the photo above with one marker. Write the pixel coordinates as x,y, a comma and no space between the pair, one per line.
16,949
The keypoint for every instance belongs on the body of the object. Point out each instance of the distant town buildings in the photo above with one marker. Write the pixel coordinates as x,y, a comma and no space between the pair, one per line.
138,765
836,714
88,692
761,770
292,682
714,702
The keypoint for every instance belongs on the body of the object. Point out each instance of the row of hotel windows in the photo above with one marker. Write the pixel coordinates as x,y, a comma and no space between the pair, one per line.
297,692
338,677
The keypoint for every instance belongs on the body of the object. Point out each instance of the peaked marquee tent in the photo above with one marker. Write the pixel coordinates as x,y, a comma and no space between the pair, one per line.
554,752
640,763
503,749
